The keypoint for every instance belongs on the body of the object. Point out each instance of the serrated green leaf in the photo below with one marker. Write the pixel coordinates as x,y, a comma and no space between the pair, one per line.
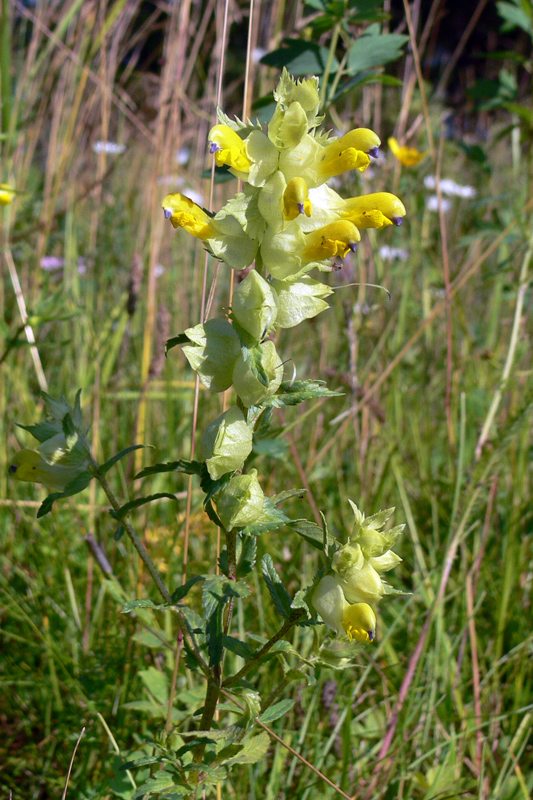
301,58
276,711
254,748
179,593
272,519
279,594
103,468
312,533
132,605
236,646
157,783
175,341
77,485
42,430
247,557
374,51
276,499
138,502
188,467
157,684
290,394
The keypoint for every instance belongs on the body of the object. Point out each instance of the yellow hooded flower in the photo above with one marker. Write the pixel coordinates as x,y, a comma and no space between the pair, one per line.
357,620
335,239
223,236
228,148
296,199
7,194
374,210
408,156
351,151
184,213
291,253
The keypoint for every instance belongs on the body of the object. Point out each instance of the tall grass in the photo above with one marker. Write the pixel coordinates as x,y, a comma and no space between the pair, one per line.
435,419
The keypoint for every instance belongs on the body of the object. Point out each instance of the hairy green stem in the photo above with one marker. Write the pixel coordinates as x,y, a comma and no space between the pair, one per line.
147,561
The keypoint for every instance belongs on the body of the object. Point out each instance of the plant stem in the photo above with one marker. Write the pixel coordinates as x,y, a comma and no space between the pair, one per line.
523,283
288,624
147,561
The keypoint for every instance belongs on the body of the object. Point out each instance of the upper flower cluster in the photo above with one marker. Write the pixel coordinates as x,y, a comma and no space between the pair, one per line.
287,217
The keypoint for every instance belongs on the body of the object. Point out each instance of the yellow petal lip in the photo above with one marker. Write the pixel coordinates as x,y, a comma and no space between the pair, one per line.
296,199
359,622
228,148
376,210
408,156
335,239
184,213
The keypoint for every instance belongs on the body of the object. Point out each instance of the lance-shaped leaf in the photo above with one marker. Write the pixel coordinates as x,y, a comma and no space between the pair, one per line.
280,596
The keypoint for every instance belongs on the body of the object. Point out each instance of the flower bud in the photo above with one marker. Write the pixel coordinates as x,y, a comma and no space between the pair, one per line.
255,305
213,353
241,501
300,300
249,388
288,126
226,443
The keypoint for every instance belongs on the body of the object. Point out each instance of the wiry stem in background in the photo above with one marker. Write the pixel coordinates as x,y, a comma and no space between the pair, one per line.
28,330
447,285
416,57
523,284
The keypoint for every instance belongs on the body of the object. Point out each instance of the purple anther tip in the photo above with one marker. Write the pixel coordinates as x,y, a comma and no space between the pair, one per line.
301,208
168,213
214,147
374,152
352,246
371,635
13,468
397,221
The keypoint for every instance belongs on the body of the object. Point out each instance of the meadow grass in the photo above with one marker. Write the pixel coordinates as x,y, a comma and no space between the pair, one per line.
434,419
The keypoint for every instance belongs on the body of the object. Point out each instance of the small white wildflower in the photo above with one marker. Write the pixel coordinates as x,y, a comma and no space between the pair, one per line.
388,253
432,203
112,148
52,263
158,270
183,155
170,180
257,54
450,187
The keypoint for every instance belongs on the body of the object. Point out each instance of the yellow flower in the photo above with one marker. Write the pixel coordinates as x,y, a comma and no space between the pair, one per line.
375,210
30,466
408,156
296,199
7,194
224,236
335,239
228,148
351,151
184,213
357,620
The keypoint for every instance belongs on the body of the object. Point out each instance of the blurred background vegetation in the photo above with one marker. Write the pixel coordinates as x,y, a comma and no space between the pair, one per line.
105,109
